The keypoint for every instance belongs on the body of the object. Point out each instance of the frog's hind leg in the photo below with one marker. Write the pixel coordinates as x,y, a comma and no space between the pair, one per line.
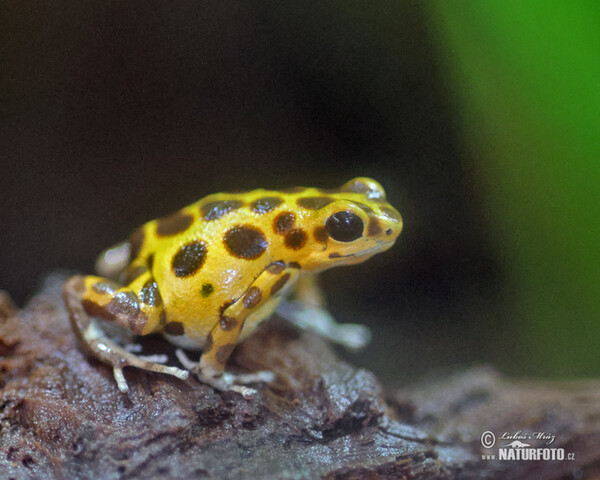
140,312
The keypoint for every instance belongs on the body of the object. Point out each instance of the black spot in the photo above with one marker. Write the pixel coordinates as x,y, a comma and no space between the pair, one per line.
94,309
136,240
189,259
125,308
373,227
123,303
215,210
208,344
328,191
278,285
335,255
150,261
245,241
320,234
252,297
105,287
283,222
207,289
314,203
276,267
227,323
174,328
294,190
388,232
149,294
173,224
223,307
344,226
295,239
294,265
266,204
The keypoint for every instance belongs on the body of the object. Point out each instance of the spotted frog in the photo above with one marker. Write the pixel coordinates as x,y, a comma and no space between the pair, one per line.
207,275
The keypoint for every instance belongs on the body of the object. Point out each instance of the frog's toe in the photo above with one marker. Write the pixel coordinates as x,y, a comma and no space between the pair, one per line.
120,379
133,347
150,365
156,358
264,376
174,371
244,391
236,382
185,360
353,336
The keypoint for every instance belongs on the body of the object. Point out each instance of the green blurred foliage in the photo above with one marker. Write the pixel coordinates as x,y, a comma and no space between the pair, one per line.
525,76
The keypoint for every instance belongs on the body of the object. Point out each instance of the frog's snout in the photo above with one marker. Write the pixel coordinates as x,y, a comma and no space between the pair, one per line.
391,225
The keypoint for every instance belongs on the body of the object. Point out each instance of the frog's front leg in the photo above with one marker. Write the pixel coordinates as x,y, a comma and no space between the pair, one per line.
136,308
259,299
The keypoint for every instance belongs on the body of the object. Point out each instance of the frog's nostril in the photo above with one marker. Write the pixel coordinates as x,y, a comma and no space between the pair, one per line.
388,232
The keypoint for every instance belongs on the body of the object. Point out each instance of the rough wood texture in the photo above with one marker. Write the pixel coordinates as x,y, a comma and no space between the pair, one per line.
62,416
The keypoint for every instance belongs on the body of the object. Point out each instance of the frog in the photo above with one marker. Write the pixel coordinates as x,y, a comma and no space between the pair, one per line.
207,275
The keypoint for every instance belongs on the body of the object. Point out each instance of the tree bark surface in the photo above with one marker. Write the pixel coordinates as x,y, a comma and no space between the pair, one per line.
61,415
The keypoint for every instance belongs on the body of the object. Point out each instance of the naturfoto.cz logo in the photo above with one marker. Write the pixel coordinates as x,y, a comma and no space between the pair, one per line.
520,446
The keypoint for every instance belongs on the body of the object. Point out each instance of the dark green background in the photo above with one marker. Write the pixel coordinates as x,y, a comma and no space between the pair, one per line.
480,118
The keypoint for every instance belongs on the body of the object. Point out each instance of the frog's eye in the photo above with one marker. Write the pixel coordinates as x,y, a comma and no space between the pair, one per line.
344,226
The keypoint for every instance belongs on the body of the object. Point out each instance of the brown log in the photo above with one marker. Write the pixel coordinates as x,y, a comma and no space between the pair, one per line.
62,416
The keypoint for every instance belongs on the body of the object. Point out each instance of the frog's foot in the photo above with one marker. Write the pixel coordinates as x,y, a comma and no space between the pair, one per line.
119,358
352,336
226,381
236,382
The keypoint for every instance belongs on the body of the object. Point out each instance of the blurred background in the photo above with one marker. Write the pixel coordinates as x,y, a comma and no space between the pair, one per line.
480,118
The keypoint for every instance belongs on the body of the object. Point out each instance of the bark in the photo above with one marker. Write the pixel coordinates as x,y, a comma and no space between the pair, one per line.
61,415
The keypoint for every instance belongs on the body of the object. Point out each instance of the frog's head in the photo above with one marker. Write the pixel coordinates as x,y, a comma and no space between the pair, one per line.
348,224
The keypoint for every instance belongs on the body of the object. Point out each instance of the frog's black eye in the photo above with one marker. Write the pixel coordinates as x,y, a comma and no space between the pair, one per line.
344,226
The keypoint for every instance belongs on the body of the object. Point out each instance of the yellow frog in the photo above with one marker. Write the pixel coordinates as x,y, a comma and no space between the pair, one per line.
208,274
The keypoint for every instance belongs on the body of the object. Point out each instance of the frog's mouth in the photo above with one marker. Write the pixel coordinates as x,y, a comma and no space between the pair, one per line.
339,255
363,254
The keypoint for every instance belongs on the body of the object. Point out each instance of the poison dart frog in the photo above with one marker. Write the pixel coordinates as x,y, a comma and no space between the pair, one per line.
208,274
